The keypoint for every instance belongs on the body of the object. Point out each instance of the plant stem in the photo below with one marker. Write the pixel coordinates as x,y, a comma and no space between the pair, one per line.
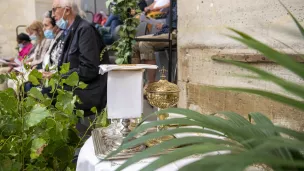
20,95
53,95
91,125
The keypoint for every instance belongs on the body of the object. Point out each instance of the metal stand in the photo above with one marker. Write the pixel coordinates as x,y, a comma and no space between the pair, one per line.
125,131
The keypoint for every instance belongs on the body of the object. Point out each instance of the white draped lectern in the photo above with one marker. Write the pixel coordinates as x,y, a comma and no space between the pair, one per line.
125,90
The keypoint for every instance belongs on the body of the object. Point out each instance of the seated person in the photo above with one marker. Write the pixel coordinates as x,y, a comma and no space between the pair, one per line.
142,4
100,18
52,32
25,46
24,43
145,50
35,30
157,8
82,48
113,21
107,34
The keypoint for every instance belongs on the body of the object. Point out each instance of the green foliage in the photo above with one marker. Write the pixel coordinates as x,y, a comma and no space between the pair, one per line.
37,131
102,119
123,46
247,142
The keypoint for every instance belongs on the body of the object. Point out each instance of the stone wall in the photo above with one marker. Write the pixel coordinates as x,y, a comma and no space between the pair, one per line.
14,13
201,36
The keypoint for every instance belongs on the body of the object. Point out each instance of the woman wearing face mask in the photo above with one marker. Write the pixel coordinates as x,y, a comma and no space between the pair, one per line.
35,30
25,46
51,31
50,60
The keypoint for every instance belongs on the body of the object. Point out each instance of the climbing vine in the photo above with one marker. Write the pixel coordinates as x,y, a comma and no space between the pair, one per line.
123,46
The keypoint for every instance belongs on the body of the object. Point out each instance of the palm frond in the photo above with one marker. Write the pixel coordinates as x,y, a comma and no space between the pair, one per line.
239,142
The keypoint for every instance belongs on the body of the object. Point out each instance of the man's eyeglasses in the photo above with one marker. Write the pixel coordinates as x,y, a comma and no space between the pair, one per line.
55,9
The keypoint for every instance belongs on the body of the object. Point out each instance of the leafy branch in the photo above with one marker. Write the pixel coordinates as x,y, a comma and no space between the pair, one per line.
40,129
123,46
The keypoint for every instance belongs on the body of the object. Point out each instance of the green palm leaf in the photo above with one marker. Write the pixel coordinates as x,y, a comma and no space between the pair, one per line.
270,95
296,89
253,141
186,152
171,144
270,53
154,135
241,160
294,19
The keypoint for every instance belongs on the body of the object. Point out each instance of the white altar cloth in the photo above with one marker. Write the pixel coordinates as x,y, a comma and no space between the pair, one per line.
87,161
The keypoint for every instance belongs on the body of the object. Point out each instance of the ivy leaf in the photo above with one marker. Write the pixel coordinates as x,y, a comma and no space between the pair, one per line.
82,85
94,110
30,102
127,55
72,80
66,102
2,78
52,83
36,73
119,61
13,76
37,114
16,166
65,68
33,80
34,77
6,164
38,145
47,68
8,101
35,93
102,119
64,153
80,113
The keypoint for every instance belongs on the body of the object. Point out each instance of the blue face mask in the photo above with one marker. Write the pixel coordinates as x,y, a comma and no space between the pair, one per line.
20,45
49,34
33,37
62,24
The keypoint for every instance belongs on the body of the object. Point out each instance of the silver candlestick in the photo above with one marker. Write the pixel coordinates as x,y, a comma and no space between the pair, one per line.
125,131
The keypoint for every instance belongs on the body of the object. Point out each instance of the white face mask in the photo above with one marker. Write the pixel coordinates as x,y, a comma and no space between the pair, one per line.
62,24
33,37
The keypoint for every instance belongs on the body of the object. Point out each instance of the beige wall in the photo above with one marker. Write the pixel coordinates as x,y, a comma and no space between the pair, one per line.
14,13
201,29
41,7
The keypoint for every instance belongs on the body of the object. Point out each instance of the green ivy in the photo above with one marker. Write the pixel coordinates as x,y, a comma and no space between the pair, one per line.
127,33
38,132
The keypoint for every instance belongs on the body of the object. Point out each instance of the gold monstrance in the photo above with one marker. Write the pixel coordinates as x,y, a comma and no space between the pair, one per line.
163,95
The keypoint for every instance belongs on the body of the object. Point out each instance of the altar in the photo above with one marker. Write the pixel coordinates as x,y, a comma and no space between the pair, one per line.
125,103
87,161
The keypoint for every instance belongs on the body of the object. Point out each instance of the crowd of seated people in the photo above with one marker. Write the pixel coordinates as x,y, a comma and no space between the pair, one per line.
50,59
65,37
35,30
107,25
145,50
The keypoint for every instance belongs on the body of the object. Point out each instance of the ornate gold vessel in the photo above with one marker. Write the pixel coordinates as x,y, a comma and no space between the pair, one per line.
162,94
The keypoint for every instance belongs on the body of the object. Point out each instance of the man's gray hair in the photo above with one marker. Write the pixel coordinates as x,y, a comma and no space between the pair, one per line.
75,5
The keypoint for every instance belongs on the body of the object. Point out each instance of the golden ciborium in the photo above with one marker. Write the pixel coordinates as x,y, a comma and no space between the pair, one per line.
163,95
